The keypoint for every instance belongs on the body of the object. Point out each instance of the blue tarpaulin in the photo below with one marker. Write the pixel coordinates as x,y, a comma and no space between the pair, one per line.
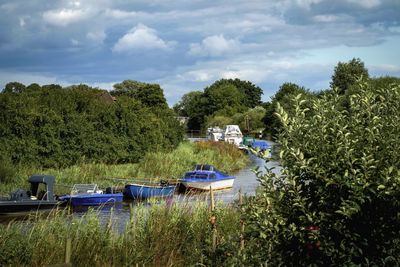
261,144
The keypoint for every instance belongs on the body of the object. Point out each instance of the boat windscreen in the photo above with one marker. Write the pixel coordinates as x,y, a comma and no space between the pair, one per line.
202,167
197,176
80,189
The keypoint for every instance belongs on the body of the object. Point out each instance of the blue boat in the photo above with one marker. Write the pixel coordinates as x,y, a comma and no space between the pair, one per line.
260,148
90,195
206,177
148,190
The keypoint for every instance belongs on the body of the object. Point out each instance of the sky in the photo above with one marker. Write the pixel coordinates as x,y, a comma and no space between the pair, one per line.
186,45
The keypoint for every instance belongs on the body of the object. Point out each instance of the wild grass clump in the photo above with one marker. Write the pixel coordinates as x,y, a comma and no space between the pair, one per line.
223,156
159,235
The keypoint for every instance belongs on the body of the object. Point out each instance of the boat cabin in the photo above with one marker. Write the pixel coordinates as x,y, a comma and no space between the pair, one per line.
37,190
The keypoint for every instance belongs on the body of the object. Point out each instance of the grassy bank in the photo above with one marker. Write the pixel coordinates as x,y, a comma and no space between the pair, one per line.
160,235
154,165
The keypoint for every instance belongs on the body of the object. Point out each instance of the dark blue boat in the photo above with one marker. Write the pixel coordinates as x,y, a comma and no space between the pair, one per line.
90,195
143,191
206,177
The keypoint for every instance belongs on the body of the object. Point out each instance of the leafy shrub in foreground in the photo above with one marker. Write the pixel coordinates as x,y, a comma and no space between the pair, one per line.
337,202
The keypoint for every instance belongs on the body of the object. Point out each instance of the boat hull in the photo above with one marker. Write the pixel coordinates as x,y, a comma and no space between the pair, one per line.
138,191
93,199
207,184
14,207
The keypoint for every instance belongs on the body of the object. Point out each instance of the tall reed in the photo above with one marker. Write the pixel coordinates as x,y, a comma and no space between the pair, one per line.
159,235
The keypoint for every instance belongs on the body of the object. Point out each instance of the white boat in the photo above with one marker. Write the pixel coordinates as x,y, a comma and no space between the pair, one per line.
206,177
233,135
214,134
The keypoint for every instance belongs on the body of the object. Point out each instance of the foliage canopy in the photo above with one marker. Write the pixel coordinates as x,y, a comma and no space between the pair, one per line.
337,202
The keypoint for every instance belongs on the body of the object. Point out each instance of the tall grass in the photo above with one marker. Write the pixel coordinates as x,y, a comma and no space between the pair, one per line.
159,235
154,165
223,156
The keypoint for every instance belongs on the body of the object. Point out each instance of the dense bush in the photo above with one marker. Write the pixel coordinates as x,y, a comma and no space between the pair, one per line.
338,200
53,127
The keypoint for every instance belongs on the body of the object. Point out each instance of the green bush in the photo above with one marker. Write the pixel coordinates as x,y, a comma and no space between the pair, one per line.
7,171
337,201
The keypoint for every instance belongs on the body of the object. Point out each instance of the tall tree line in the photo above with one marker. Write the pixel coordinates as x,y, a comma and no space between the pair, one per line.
51,126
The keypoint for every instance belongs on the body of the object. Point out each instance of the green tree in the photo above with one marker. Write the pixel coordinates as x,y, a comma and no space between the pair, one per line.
337,200
346,74
223,96
251,94
284,96
33,87
14,87
193,105
218,120
150,95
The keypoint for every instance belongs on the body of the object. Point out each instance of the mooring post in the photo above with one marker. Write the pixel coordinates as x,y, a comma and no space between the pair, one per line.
241,220
213,221
131,212
68,251
212,199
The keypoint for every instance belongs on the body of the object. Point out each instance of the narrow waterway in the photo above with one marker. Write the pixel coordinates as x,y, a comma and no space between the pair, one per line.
246,181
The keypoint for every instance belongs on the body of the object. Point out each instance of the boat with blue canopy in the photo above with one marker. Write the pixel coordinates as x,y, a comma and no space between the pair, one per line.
206,177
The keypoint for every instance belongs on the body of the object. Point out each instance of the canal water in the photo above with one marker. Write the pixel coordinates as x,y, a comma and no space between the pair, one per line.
245,182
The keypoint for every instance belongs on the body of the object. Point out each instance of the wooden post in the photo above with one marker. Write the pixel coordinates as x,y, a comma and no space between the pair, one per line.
68,251
212,199
213,221
131,212
241,221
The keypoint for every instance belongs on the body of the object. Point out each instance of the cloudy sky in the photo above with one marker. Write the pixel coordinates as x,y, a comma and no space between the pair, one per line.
186,45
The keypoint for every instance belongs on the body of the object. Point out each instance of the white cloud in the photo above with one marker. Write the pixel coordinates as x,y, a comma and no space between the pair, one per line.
22,22
325,18
96,36
140,37
65,17
215,45
366,3
74,42
121,14
26,78
307,3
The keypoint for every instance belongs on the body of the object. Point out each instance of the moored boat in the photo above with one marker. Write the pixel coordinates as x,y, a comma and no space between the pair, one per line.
39,197
148,190
206,177
90,195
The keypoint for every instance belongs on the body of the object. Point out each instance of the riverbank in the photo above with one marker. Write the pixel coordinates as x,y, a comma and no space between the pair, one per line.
156,235
154,165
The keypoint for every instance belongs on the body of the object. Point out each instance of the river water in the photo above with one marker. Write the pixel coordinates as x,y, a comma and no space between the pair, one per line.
245,182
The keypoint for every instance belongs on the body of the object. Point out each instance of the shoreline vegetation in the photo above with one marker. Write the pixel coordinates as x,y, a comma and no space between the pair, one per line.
156,235
164,234
153,166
